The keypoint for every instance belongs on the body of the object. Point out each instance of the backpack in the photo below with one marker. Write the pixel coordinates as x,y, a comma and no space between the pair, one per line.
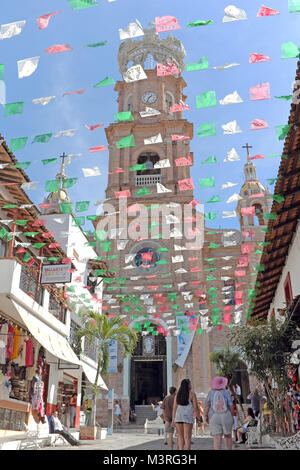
219,404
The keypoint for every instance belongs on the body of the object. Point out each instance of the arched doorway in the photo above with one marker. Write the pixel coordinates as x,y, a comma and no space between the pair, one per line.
148,370
241,377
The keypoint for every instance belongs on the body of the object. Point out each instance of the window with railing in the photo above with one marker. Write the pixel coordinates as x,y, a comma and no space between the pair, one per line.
91,349
57,308
147,180
29,284
148,175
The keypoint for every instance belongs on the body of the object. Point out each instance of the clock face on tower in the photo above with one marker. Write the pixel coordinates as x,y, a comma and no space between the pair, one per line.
149,97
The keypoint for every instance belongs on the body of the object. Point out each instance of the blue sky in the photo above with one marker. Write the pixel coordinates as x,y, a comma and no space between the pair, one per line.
83,67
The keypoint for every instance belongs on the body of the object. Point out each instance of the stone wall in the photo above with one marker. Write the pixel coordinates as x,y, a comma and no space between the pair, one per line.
102,411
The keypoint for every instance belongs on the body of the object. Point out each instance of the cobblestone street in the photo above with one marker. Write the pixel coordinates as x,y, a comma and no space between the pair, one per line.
135,439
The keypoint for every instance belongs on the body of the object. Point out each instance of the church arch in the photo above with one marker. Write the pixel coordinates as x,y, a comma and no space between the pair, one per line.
258,215
169,101
129,103
149,159
241,377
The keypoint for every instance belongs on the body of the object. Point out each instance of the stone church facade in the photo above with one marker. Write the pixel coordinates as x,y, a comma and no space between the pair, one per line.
178,292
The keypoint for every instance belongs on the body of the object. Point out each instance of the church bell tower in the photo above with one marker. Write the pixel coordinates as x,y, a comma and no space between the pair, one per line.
149,166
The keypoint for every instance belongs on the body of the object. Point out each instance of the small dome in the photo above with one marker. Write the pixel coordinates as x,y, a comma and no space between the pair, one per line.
252,187
58,195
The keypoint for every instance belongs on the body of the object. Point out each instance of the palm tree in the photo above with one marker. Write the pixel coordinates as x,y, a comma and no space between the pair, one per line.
98,326
226,361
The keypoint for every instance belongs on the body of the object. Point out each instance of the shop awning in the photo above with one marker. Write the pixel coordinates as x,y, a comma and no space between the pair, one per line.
52,341
90,372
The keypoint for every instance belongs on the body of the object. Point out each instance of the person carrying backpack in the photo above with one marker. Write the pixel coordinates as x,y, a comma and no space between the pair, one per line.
219,413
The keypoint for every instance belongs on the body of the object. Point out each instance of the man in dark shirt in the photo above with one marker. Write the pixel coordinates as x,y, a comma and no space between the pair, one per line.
254,397
167,407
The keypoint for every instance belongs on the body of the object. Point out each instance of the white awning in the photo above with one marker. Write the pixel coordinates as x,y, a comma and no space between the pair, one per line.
90,372
52,341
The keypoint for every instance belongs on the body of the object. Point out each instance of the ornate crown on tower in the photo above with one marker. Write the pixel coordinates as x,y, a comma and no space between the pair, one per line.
163,51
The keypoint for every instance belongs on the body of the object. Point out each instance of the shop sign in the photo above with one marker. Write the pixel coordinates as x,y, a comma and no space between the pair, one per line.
110,400
56,273
113,357
184,340
67,365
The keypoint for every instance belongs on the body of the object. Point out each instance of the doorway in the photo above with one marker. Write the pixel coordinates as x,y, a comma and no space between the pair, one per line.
148,384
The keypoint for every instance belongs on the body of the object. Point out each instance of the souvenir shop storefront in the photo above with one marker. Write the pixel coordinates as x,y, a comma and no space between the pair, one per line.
34,374
294,371
22,371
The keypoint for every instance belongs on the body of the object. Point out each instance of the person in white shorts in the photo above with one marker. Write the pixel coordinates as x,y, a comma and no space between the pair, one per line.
219,413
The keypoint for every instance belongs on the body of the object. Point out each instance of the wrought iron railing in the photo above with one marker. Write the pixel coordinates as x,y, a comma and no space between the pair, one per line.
57,309
147,180
159,347
90,349
29,284
73,339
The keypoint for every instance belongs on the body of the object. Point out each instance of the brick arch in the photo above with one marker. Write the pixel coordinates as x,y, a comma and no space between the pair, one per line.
259,215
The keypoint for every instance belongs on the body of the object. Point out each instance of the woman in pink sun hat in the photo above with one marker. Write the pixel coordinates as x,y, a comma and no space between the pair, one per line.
219,412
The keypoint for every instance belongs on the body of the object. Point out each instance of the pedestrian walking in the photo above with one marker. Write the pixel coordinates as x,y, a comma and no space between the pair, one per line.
157,408
88,412
185,404
118,412
73,404
237,390
219,413
254,398
167,409
199,423
235,418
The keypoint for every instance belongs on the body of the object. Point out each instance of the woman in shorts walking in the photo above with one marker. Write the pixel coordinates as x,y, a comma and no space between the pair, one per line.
219,413
185,405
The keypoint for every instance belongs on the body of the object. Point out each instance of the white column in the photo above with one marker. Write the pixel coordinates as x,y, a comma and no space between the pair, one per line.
205,363
126,376
169,362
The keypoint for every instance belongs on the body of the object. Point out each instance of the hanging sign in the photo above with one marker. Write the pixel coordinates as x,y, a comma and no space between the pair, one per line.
184,339
113,357
56,273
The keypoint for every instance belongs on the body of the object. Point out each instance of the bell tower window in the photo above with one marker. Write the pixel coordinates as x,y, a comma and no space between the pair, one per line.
169,101
148,176
129,103
148,159
258,214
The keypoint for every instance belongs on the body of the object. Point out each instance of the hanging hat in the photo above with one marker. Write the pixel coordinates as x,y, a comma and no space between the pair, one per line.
218,383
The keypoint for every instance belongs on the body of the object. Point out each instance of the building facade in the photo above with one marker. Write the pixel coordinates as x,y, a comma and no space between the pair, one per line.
40,363
178,292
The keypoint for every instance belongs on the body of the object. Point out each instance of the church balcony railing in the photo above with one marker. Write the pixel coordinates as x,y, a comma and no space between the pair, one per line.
147,180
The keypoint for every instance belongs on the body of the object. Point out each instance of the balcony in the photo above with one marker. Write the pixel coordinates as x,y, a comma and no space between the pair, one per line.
147,180
56,308
29,284
19,290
